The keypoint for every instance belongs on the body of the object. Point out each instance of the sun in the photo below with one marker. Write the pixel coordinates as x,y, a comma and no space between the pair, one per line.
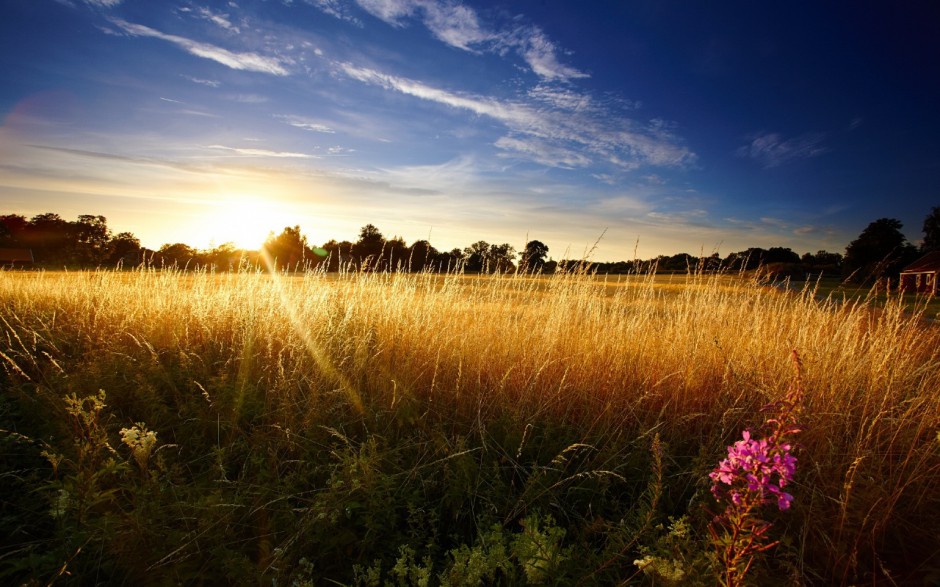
244,221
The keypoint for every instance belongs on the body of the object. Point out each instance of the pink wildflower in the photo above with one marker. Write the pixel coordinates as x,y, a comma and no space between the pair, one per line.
761,467
753,475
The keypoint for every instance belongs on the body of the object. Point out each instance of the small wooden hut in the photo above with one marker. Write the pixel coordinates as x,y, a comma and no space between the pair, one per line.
923,275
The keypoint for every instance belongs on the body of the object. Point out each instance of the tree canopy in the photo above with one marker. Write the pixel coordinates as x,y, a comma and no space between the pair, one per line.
881,250
532,258
289,249
931,231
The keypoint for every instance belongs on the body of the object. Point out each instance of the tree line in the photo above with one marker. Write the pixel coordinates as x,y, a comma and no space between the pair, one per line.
880,251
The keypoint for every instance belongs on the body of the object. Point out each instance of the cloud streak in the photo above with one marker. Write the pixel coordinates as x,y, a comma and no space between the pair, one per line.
306,124
221,20
247,61
551,136
771,150
262,152
459,26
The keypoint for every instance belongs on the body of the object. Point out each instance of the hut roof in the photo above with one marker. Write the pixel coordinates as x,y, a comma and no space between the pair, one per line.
928,263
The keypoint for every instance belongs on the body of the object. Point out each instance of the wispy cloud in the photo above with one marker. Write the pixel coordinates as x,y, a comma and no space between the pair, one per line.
306,124
262,152
103,3
562,97
219,19
336,8
460,26
90,154
543,152
204,82
772,150
542,55
248,98
551,136
241,61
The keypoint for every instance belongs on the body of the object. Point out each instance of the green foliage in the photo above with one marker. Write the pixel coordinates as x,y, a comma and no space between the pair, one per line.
881,250
931,230
677,556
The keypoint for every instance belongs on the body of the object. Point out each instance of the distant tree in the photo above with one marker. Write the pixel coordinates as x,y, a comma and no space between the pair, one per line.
881,250
781,255
288,250
822,262
931,231
756,257
747,259
338,254
51,238
394,255
178,255
422,256
13,229
225,257
124,249
476,255
500,258
682,262
532,258
449,261
368,249
91,240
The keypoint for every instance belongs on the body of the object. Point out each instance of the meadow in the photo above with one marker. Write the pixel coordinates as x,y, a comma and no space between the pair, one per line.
161,427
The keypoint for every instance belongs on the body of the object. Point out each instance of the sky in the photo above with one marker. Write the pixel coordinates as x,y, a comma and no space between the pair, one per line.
625,128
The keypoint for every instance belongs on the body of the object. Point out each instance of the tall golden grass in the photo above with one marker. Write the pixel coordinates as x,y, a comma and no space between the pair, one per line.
609,361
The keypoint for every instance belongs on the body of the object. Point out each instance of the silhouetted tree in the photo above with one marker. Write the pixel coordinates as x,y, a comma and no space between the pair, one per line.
881,250
449,261
931,231
747,259
500,258
178,255
13,229
394,255
781,255
822,262
225,257
338,254
50,237
91,240
287,250
532,258
476,255
125,249
422,256
368,249
682,262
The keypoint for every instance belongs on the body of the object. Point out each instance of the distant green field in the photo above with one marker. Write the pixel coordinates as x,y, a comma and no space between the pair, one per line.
928,306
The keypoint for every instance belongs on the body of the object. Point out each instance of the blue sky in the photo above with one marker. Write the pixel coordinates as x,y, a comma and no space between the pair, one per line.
672,127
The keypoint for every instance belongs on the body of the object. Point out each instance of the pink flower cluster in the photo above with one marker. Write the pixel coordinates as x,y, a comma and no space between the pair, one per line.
756,469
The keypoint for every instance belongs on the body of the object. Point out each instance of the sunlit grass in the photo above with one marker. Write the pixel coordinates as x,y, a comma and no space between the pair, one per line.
314,422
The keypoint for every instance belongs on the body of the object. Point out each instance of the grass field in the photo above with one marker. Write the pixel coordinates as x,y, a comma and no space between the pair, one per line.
372,429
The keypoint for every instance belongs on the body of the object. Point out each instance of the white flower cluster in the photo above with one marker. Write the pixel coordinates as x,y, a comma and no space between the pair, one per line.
668,570
141,442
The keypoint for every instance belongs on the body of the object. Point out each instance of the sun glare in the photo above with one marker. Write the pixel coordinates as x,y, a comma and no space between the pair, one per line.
244,221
